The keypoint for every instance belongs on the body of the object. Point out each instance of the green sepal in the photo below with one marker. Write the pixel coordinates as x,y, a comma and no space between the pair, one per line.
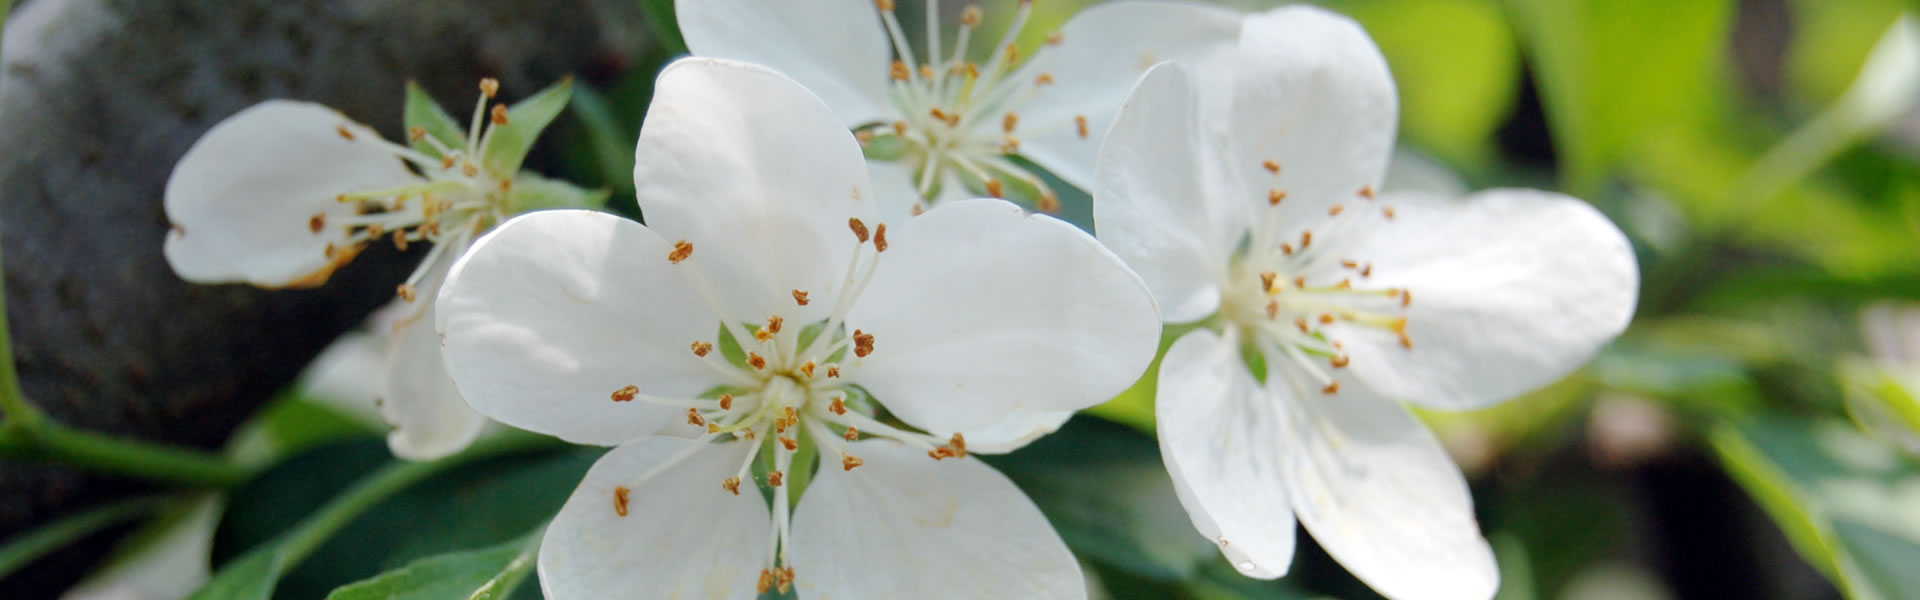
509,144
532,192
885,147
421,111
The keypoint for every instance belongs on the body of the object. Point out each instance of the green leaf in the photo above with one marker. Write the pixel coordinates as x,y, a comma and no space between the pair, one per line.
421,111
1104,488
1611,72
532,192
251,577
665,26
612,141
490,573
1843,499
1457,82
21,550
510,143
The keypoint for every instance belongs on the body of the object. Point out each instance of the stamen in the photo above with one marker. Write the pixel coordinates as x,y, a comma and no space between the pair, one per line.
726,401
694,418
971,15
862,343
405,291
853,434
1341,361
1366,191
499,114
1055,38
790,443
994,188
732,484
344,132
833,371
1335,211
800,297
490,87
849,461
1275,196
880,238
1332,388
1009,122
1387,211
1047,79
838,406
1079,121
758,362
701,349
859,229
773,323
775,478
681,250
1271,167
808,369
318,223
620,500
400,240
416,133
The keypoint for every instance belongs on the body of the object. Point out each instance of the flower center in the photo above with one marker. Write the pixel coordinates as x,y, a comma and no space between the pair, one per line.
781,390
456,198
1286,292
960,119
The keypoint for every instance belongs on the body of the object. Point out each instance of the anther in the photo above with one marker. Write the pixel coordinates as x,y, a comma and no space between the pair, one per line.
1048,202
900,72
1300,282
1387,211
926,71
416,133
852,434
1010,144
732,484
807,369
499,114
790,444
681,250
1335,210
1286,248
376,230
859,231
1079,124
995,189
1045,79
766,580
775,478
469,169
1406,298
774,323
833,371
318,223
1275,196
726,402
1054,39
1332,388
331,251
1273,309
620,500
489,86
1271,167
701,349
400,240
762,334
1306,239
880,238
758,362
446,162
784,577
886,5
900,127
1301,322
862,343
344,132
405,291
1266,280
1346,283
1009,122
1367,270
1349,263
1013,54
936,113
1326,318
865,136
1366,191
959,445
971,15
694,418
1340,362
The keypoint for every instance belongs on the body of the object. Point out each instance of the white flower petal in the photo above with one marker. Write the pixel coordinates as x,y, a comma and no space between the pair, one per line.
907,526
430,419
545,317
756,173
837,48
1511,290
894,190
1379,494
1221,438
1312,94
1103,50
243,197
1152,208
1019,428
979,309
683,535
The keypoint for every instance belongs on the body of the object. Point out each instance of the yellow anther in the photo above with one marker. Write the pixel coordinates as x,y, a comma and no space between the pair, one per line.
1044,79
499,114
758,362
1054,39
400,240
1326,318
490,87
862,343
900,71
1009,122
1301,322
317,223
1273,309
1406,298
900,127
886,5
1306,239
833,371
1048,202
620,500
1267,279
880,238
681,250
859,230
762,334
416,133
926,71
1286,248
405,291
1387,211
345,133
852,434
701,349
694,418
1332,388
1340,362
1271,166
971,15
726,402
626,394
807,369
1275,196
790,444
1336,210
1366,191
1079,124
732,484
995,189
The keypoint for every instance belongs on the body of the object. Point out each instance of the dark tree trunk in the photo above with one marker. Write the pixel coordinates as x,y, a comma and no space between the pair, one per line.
98,99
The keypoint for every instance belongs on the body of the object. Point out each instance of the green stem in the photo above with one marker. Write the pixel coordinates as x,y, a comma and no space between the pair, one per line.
28,547
52,442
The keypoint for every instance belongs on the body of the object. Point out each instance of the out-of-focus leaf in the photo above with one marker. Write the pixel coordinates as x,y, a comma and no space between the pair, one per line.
1611,71
251,577
1849,504
1134,407
421,111
1456,82
509,143
1104,488
1829,45
469,506
487,573
611,140
292,424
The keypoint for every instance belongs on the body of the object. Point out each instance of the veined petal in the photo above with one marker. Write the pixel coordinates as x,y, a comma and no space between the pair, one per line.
1102,51
1223,443
548,315
759,176
906,526
1019,428
1152,207
1311,94
1510,290
681,536
837,48
978,309
430,419
1379,494
245,198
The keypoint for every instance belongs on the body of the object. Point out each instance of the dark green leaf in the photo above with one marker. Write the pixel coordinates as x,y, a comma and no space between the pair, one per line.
252,577
490,573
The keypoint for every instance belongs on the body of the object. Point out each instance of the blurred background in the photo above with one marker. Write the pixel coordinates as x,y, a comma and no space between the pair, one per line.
1755,434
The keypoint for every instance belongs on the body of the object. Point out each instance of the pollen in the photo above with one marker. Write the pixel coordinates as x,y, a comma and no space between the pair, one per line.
1366,191
1054,39
620,500
766,580
726,402
318,223
1079,123
900,71
1046,79
784,578
1300,282
732,484
900,127
1301,322
446,162
694,418
808,369
859,229
833,371
775,478
1349,263
345,133
405,291
681,250
880,238
849,461
499,114
762,334
1332,388
1009,122
1286,248
1048,203
852,434
1271,167
701,349
1273,309
416,133
1326,318
758,361
886,5
1387,211
774,323
862,343
1336,210
1267,279
971,15
995,189
790,443
1275,196
490,87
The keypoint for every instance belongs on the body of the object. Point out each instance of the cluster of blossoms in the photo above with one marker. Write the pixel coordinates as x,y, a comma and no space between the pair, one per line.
830,307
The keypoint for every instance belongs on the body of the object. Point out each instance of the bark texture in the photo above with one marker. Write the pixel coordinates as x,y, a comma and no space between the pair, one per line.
99,98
